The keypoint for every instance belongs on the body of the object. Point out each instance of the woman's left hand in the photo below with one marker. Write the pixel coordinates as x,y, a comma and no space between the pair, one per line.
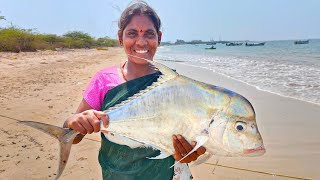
182,148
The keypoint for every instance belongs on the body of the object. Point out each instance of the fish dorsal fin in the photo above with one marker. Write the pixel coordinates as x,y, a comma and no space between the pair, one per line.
167,72
166,75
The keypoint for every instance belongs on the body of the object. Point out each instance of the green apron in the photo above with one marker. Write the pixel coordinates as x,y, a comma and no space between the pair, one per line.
120,162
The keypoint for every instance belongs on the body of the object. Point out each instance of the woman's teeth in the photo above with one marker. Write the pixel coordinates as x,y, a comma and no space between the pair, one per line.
141,51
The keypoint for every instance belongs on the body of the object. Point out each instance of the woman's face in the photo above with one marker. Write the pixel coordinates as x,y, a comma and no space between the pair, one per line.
140,38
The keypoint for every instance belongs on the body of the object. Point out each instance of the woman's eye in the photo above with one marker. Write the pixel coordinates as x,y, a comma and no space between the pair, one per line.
131,33
240,126
150,34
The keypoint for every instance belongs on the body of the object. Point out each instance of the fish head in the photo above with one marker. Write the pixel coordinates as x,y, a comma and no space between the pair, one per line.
241,136
234,128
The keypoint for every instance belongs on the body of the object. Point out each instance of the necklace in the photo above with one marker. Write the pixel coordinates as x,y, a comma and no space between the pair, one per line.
121,69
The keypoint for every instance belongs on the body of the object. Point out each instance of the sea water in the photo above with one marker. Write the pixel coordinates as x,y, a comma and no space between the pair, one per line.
279,67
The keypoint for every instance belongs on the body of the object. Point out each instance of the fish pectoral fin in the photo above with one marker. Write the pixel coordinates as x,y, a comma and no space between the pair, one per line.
201,159
162,155
201,140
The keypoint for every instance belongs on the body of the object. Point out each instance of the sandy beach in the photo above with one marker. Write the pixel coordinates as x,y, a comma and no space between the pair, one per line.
47,87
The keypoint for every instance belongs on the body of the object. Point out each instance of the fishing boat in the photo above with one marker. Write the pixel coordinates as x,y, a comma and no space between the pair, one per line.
255,44
212,47
211,43
301,42
233,44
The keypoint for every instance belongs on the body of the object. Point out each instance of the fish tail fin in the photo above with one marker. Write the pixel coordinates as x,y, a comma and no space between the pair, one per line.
65,137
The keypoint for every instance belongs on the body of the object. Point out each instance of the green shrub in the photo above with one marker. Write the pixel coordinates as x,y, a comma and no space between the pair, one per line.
105,42
78,39
15,39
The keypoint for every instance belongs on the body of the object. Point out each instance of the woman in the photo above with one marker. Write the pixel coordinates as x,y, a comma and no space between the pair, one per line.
139,34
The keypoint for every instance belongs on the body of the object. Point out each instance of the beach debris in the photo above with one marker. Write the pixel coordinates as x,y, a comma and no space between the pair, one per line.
81,159
219,119
17,162
274,175
215,166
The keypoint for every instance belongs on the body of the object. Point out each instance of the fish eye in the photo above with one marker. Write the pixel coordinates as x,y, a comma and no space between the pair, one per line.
240,126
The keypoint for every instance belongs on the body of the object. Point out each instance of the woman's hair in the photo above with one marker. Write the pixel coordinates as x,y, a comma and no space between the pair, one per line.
138,8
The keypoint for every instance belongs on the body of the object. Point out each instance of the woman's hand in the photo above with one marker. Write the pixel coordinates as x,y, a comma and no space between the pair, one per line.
87,121
182,148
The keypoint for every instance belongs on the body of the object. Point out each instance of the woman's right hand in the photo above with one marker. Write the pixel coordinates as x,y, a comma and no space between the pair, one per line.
88,121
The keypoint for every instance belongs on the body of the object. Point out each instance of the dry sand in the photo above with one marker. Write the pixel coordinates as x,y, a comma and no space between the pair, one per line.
47,87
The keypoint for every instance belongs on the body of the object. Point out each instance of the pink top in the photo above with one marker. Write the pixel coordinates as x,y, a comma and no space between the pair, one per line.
103,81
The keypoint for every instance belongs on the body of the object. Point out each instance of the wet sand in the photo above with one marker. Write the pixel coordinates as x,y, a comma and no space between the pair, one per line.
47,87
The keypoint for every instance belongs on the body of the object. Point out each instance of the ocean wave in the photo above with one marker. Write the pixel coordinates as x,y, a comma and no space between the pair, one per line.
294,79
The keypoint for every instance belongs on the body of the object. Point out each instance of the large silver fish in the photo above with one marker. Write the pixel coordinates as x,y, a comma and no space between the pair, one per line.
220,120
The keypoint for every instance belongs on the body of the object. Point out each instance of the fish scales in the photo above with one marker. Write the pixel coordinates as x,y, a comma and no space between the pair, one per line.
156,113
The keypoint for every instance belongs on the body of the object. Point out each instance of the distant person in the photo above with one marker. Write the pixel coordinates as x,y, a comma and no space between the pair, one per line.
139,34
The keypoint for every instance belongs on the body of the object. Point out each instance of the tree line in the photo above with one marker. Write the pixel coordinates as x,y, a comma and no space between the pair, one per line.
15,39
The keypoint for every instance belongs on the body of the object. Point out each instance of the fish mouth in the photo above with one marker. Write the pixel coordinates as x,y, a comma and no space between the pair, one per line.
258,151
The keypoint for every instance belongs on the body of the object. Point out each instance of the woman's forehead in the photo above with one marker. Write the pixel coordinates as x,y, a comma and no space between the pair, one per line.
140,23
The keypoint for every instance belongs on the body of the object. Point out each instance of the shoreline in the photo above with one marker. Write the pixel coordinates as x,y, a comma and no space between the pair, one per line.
256,87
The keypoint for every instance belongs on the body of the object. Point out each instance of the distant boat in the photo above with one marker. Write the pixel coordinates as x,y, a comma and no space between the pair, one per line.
301,42
211,43
233,44
212,47
255,44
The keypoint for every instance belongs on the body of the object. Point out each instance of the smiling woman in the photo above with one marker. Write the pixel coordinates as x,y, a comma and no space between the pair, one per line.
139,34
139,38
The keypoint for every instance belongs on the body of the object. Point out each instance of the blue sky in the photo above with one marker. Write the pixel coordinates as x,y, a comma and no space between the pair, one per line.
188,20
